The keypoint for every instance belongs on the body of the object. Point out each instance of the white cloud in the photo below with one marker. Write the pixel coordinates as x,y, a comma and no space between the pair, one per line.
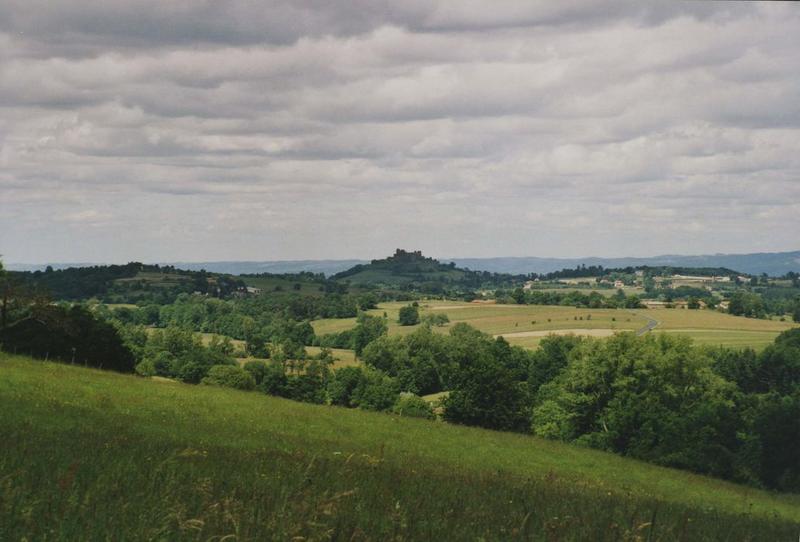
202,130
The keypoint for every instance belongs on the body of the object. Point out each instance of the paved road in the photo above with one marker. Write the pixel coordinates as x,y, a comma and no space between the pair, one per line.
651,325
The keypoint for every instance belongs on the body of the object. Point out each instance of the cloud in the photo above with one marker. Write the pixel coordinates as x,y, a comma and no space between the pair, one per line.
239,130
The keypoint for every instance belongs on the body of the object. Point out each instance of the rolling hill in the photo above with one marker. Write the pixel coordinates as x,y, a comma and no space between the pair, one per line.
89,454
401,269
772,263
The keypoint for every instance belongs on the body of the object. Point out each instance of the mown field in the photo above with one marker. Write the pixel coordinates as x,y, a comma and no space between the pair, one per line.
525,325
93,455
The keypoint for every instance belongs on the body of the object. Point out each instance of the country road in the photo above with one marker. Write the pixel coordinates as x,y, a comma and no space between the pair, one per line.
651,325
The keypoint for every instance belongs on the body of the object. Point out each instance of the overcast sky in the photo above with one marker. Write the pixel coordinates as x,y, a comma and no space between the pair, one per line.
159,130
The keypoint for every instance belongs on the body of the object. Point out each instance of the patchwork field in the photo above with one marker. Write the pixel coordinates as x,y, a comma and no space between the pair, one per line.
525,325
93,455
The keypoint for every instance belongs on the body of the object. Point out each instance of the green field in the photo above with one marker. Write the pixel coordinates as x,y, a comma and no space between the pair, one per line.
271,284
342,357
96,455
525,325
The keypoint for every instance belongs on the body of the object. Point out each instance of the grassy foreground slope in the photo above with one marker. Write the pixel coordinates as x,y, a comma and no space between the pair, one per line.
95,455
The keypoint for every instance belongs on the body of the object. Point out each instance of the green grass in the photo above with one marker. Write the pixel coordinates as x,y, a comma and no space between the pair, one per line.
94,455
757,340
513,321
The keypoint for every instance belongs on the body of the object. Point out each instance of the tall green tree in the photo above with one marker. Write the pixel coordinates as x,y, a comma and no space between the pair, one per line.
368,328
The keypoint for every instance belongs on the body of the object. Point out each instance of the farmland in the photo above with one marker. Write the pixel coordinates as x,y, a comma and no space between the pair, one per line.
525,325
207,463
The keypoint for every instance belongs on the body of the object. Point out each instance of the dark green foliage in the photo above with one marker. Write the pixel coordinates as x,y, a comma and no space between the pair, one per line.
343,339
343,385
575,298
437,319
772,440
258,369
193,372
375,391
746,304
732,414
413,406
230,376
124,284
409,316
69,334
549,359
486,394
178,353
274,380
775,369
368,328
357,387
654,399
307,388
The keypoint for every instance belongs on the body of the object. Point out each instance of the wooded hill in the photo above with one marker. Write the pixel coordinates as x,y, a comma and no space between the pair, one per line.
412,270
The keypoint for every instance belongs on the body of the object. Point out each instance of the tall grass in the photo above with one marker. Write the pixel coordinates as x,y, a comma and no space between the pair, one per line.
93,455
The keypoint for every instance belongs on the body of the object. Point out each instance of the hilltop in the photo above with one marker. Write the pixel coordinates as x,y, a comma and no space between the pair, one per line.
401,269
89,454
772,263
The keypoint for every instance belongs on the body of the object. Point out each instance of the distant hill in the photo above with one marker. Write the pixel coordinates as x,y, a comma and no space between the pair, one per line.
401,269
328,267
772,263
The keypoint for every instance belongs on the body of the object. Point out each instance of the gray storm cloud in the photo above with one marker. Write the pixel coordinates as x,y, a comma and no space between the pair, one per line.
177,130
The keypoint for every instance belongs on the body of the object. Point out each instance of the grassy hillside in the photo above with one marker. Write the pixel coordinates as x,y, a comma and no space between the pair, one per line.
97,455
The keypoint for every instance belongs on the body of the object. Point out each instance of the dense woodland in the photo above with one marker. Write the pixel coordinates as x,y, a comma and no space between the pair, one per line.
729,413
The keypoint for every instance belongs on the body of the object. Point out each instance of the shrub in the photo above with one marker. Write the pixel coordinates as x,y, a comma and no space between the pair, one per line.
230,376
258,369
413,406
409,316
192,372
274,380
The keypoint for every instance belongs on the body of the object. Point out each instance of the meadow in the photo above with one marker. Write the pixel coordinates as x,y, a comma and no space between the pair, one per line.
525,325
97,455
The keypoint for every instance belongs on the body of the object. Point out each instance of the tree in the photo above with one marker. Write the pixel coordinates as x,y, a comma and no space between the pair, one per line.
413,406
230,376
486,395
655,399
68,334
409,316
368,328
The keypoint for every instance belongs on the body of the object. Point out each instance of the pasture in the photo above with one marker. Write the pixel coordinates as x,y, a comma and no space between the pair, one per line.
525,325
96,455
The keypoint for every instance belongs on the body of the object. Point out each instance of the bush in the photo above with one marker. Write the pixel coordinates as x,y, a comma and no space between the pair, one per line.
413,406
409,316
192,372
274,380
258,369
230,376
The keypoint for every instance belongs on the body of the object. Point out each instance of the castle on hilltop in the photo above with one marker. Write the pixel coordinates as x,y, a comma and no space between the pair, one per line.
403,256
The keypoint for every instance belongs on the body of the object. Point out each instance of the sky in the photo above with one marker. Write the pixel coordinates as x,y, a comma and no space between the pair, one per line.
177,130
